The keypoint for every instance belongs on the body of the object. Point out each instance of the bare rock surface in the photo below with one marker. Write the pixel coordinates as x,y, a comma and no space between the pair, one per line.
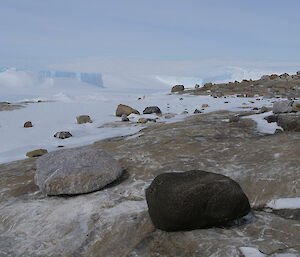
283,106
36,153
125,109
63,134
83,119
115,221
75,171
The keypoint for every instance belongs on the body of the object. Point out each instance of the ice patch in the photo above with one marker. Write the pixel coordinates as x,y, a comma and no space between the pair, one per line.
251,252
284,203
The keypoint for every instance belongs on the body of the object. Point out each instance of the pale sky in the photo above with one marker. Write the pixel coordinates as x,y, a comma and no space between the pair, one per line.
38,33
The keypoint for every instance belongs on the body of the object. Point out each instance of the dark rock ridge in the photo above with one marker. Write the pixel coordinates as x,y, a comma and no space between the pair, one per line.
75,171
194,199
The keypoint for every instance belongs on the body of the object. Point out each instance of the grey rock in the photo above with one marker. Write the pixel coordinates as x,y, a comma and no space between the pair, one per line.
83,119
284,106
75,171
63,134
151,109
124,117
234,118
263,109
289,122
194,199
271,118
177,88
296,106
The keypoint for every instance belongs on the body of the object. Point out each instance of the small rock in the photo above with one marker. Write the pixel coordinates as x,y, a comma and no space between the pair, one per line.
226,102
63,134
124,117
28,124
36,153
177,88
197,111
296,106
125,109
263,109
284,106
234,119
83,119
205,105
151,109
277,131
197,86
271,118
169,115
142,120
194,199
185,112
180,98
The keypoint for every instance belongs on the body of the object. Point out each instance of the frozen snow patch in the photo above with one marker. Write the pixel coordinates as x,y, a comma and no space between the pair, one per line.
284,203
251,252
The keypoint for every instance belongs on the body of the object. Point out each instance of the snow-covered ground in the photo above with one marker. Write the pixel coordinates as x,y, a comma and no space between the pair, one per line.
73,98
284,203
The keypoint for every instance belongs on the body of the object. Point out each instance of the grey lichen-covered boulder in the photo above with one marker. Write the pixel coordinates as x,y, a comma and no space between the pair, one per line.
284,106
75,171
83,119
289,121
194,199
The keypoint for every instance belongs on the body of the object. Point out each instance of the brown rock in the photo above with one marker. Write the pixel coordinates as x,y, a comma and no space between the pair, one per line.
205,105
177,88
125,109
36,153
83,119
28,124
142,120
63,134
197,111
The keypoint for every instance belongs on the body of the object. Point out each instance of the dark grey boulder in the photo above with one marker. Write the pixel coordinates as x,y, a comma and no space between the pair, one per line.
194,199
289,121
271,118
63,134
75,171
151,109
177,88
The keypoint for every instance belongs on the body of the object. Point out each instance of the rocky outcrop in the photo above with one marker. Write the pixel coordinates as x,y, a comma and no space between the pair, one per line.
36,153
194,199
152,109
83,119
28,124
177,88
63,134
75,171
125,109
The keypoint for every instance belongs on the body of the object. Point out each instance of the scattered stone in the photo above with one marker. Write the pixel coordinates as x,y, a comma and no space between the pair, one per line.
63,134
205,105
180,98
185,112
284,106
226,102
249,95
151,109
83,119
142,120
217,95
289,122
75,171
151,120
194,199
277,131
197,86
273,76
28,124
255,109
125,109
177,88
169,115
271,118
60,146
124,117
234,119
263,109
36,153
296,106
197,111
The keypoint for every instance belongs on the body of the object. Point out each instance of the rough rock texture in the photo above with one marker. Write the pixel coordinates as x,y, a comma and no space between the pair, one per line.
28,124
125,109
63,134
151,109
296,106
36,153
83,119
289,122
194,199
282,106
124,117
177,88
142,120
75,171
115,221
